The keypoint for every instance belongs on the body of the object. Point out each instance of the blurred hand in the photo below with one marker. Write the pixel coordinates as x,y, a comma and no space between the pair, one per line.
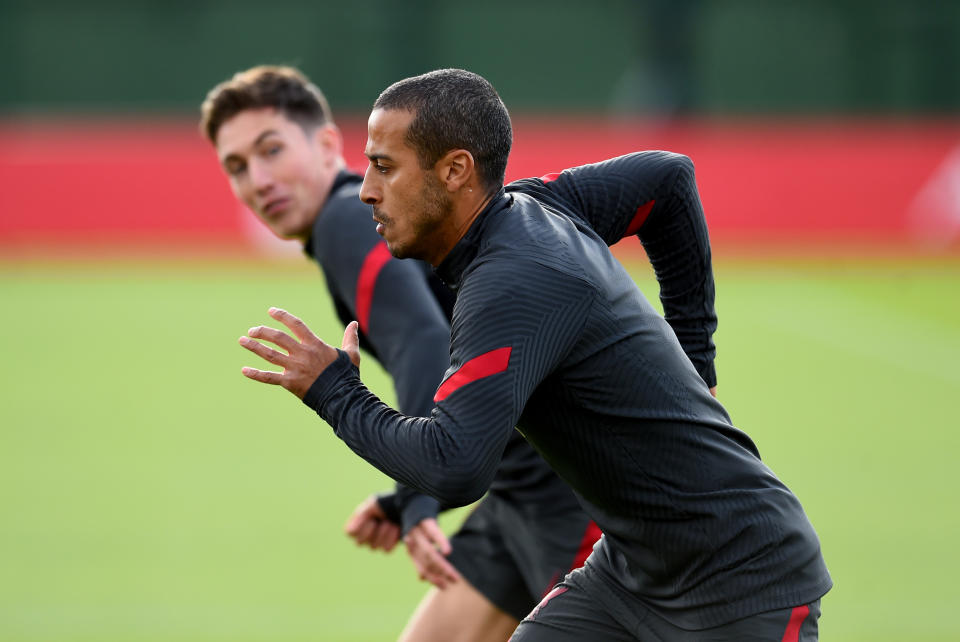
369,526
428,548
305,359
713,391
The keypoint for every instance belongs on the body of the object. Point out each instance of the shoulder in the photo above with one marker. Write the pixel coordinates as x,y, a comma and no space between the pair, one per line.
522,268
537,227
344,227
343,206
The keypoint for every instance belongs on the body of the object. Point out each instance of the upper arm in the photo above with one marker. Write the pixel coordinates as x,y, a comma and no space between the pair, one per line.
505,339
616,196
654,195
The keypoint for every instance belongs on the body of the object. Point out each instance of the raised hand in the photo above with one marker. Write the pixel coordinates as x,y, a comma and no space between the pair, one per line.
305,356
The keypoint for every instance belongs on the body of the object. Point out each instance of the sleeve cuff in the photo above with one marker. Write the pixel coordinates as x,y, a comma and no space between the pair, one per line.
388,504
328,381
419,508
709,373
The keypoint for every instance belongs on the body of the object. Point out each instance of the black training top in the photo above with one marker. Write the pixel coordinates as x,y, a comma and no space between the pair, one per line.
551,334
403,310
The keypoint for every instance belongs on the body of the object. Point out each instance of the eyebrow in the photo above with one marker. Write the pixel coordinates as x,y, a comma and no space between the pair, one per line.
259,139
376,157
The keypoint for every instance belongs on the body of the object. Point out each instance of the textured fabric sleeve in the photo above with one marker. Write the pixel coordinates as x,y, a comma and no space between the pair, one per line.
501,348
654,195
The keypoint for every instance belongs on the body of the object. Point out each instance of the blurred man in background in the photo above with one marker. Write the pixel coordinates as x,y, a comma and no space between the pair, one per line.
549,333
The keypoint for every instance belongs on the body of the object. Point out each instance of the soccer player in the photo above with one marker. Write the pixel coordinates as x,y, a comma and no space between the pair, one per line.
281,151
700,539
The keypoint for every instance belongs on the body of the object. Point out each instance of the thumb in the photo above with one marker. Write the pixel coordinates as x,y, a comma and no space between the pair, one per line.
351,342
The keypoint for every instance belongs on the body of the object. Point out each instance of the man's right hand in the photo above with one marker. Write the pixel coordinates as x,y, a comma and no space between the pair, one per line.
369,526
428,547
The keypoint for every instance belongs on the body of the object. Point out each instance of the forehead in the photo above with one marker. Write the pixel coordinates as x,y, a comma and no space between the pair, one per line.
387,131
242,130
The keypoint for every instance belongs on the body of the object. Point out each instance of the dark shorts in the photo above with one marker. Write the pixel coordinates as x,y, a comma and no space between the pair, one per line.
570,614
514,556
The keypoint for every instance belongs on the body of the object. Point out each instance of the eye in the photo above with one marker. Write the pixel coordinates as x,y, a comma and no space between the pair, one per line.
383,169
235,169
273,149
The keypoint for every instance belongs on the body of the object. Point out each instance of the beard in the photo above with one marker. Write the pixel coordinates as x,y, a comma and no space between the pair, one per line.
428,226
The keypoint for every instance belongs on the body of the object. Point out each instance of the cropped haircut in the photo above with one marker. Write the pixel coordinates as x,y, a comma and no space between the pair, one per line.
283,88
454,109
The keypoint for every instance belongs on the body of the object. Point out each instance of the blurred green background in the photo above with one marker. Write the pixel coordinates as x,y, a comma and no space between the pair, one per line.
149,492
629,56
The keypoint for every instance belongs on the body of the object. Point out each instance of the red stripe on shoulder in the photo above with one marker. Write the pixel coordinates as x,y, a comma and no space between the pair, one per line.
546,178
372,264
639,218
488,363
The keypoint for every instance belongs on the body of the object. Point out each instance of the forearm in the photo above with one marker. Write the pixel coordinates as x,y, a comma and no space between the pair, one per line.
416,451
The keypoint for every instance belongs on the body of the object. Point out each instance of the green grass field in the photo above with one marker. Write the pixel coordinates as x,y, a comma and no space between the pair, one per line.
148,491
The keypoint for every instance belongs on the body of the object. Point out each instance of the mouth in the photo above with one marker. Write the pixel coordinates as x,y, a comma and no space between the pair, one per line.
275,206
380,220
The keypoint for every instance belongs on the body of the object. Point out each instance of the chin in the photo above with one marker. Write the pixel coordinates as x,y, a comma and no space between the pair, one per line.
294,234
396,251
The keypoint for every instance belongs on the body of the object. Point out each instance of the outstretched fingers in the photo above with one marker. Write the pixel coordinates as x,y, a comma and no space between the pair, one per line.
267,353
298,327
303,360
275,336
263,376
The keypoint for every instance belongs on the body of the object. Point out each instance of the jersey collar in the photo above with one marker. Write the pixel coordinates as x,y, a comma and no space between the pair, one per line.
453,266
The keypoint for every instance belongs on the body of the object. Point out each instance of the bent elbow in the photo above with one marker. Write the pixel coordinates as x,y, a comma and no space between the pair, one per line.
684,170
462,488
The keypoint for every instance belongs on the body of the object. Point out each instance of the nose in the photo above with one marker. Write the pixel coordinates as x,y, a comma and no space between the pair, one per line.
260,176
368,193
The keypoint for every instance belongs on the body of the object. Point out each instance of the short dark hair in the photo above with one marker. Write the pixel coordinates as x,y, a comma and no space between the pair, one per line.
454,109
283,88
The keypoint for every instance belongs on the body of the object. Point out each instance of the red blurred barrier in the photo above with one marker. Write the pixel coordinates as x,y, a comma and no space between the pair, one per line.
764,184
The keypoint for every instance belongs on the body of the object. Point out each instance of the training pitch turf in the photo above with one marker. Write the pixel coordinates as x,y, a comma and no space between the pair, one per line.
148,491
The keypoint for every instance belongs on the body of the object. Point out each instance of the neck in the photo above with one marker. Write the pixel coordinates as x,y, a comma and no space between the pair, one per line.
465,212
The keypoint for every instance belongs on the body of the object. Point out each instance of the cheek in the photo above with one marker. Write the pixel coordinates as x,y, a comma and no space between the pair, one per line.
406,195
241,191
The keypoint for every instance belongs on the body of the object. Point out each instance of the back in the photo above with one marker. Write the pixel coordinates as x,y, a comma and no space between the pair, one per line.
692,518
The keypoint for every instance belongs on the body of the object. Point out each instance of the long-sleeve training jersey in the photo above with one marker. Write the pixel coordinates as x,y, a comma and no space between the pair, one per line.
403,310
550,334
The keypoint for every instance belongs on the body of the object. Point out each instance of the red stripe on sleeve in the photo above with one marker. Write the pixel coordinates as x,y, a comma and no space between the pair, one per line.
590,537
489,363
797,616
376,259
546,178
639,218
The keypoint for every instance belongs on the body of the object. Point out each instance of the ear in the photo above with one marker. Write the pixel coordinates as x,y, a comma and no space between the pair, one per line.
328,138
455,169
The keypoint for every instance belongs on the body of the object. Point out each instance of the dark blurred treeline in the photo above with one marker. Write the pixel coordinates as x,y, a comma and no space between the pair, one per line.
669,57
